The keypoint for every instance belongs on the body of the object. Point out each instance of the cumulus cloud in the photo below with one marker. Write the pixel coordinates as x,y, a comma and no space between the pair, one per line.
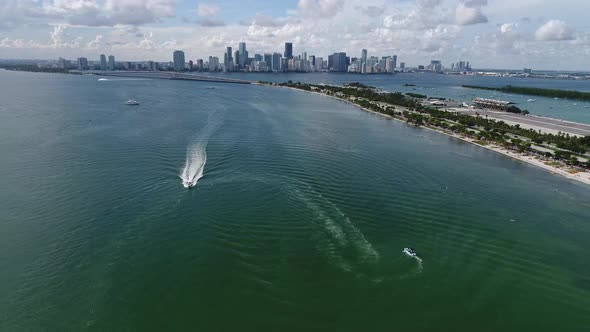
555,30
509,28
269,21
470,12
320,8
85,12
209,22
206,10
20,43
426,14
371,11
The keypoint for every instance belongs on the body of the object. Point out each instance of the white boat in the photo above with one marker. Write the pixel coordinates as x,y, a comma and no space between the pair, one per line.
410,252
188,184
531,100
132,102
103,79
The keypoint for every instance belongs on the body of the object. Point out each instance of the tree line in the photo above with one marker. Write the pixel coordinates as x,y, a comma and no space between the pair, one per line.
553,93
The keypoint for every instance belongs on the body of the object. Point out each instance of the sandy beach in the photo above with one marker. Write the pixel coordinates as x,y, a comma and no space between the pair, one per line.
583,177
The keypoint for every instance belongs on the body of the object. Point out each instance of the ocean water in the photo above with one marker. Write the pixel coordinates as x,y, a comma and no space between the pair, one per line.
450,86
300,210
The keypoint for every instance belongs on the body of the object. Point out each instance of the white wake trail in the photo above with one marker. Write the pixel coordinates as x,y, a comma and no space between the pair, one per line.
196,158
196,154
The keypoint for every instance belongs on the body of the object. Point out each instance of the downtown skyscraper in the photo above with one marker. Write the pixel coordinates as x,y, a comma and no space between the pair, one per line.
103,62
288,51
242,59
228,60
179,61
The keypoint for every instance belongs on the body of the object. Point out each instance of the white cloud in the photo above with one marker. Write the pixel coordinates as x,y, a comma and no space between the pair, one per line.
320,8
555,30
16,13
372,11
470,12
206,10
509,28
416,30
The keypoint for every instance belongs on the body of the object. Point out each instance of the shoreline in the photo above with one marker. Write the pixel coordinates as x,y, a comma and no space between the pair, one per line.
583,177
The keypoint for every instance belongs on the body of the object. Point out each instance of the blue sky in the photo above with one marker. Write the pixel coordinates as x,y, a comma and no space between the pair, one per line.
543,34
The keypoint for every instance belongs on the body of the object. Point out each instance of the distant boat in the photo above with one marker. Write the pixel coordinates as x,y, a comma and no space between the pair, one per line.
410,252
531,100
132,102
103,79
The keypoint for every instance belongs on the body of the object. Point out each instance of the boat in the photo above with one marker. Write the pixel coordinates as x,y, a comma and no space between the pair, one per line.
410,252
531,100
103,79
132,102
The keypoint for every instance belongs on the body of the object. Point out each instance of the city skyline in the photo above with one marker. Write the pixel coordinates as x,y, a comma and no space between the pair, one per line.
498,34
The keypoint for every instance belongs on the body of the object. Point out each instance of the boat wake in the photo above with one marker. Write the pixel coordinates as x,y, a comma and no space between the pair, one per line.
337,237
196,158
196,154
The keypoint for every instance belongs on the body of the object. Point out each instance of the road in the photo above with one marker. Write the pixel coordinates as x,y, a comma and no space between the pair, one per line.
546,125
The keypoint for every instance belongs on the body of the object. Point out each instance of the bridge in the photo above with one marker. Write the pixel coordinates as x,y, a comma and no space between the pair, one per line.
170,76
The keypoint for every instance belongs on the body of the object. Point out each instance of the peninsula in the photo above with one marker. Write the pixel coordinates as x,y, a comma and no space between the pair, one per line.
560,153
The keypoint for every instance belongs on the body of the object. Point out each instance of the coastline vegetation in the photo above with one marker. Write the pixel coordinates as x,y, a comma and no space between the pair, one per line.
416,95
566,148
553,93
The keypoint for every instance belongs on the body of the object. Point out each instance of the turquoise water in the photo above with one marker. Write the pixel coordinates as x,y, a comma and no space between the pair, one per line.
450,86
297,223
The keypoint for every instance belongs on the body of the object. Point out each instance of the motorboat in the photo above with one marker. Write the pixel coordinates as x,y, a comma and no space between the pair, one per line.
103,79
188,184
531,100
132,102
410,252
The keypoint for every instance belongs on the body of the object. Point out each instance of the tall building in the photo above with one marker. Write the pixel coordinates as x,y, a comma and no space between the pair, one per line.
213,63
288,51
82,64
190,65
151,66
389,65
228,61
364,56
394,58
179,62
338,62
268,61
237,59
243,56
435,65
103,62
63,63
112,64
276,61
319,63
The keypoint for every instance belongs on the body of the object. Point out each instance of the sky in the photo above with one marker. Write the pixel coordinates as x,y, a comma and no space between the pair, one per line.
512,34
